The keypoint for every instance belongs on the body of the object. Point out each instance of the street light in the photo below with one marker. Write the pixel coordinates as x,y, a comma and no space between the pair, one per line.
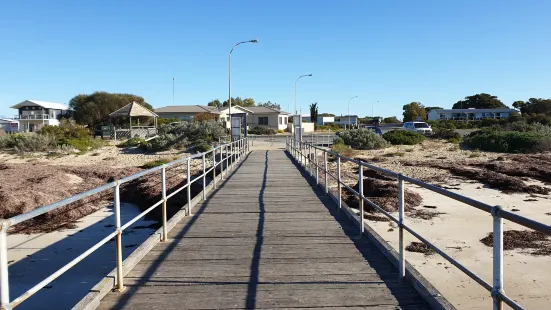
229,82
296,90
372,115
349,112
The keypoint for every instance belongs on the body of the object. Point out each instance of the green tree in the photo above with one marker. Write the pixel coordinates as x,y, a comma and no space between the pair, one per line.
391,120
314,113
479,101
95,108
414,110
215,103
248,102
269,104
534,106
234,101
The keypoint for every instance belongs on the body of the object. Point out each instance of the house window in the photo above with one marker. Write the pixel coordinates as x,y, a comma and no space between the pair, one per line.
281,120
263,120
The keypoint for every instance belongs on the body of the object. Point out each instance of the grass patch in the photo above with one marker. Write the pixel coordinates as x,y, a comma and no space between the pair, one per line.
155,163
343,149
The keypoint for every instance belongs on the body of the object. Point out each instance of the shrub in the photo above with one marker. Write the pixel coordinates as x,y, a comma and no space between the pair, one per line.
67,129
155,163
447,134
342,149
338,140
28,142
363,139
185,134
133,142
404,137
202,147
262,130
82,144
494,140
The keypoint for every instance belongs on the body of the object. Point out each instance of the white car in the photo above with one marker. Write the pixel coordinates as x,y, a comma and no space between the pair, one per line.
420,127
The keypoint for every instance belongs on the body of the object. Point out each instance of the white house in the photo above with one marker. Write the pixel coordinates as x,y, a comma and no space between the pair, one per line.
468,114
324,120
346,120
34,114
186,112
9,125
258,116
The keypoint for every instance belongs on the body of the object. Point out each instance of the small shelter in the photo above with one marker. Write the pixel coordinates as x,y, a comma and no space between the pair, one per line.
136,110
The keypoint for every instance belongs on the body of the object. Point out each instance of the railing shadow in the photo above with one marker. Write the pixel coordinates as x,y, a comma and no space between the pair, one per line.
402,291
76,282
152,269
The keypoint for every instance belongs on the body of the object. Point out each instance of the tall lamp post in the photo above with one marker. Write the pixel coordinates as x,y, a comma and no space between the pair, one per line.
229,82
372,105
349,112
296,89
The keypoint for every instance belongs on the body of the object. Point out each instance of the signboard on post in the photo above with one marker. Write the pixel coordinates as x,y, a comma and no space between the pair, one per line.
236,127
297,121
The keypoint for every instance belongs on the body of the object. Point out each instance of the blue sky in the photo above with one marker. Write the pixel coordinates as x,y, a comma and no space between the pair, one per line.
394,52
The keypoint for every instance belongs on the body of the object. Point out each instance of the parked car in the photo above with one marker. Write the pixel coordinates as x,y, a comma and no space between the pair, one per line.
420,127
376,129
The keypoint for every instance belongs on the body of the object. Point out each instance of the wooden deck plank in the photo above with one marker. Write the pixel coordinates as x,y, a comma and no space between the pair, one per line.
265,239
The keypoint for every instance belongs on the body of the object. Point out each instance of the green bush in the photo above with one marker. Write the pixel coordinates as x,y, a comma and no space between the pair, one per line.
139,142
185,134
202,147
82,144
363,139
28,142
404,137
67,129
493,140
155,163
338,140
343,149
262,130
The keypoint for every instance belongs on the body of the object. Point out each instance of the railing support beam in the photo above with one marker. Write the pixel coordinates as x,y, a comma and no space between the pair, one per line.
401,243
498,258
117,203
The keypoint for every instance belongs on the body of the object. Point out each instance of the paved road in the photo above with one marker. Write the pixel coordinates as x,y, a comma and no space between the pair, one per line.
265,239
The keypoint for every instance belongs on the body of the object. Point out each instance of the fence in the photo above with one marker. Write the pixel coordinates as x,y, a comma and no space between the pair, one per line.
307,155
119,134
233,152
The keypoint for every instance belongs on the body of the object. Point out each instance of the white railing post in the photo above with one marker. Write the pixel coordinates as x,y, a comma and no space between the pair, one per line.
227,161
117,203
163,184
339,180
361,192
204,177
498,258
326,172
310,160
401,243
214,167
4,278
188,211
317,170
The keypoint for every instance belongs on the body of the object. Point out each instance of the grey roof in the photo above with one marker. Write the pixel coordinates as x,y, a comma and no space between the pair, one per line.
263,110
133,109
472,110
187,109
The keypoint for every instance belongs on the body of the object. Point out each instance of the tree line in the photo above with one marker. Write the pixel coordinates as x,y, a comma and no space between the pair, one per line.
535,109
247,102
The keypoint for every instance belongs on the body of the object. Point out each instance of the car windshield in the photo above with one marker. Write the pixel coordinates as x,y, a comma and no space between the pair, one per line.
421,125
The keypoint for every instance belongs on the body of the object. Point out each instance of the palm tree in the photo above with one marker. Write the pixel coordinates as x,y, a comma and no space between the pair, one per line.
314,113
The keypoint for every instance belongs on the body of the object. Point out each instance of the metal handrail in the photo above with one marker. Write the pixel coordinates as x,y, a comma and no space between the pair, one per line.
306,155
233,153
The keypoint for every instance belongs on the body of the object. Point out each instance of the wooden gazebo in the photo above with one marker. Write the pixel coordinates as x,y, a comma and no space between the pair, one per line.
135,109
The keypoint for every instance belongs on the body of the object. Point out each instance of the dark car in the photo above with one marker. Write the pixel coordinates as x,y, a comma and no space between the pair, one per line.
376,129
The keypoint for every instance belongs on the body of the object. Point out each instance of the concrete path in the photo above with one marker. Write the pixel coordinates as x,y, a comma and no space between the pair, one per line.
265,239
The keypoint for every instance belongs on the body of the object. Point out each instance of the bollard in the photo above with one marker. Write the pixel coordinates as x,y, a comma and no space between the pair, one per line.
4,278
214,166
317,170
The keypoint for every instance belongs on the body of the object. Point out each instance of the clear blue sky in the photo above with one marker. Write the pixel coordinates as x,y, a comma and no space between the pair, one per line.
435,52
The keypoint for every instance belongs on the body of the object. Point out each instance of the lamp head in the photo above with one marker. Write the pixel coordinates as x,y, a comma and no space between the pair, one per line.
254,41
309,74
